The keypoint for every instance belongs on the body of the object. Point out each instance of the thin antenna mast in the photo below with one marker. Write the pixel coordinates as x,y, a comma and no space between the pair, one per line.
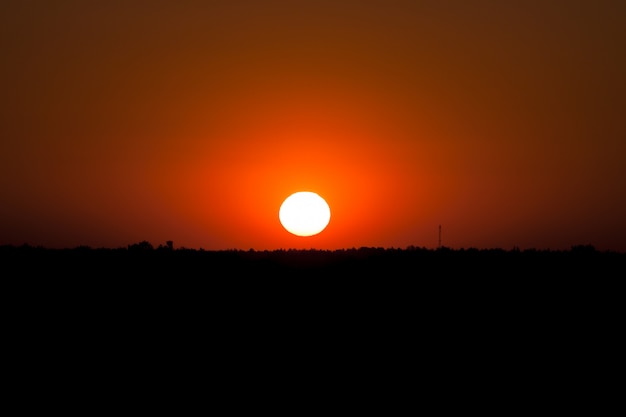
439,244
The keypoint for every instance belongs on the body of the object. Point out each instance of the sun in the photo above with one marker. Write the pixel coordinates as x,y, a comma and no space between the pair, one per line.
304,213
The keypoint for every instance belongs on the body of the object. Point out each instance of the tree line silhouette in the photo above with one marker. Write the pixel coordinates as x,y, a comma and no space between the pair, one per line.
143,258
408,290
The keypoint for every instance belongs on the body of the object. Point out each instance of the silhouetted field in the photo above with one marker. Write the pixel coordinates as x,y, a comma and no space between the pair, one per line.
511,309
372,284
381,275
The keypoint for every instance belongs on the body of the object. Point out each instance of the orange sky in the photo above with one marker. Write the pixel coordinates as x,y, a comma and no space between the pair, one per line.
192,121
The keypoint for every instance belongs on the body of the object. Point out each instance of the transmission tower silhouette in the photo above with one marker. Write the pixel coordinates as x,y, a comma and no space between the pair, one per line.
439,242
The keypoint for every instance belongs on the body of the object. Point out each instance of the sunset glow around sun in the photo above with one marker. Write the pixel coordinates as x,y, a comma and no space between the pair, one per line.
304,214
422,124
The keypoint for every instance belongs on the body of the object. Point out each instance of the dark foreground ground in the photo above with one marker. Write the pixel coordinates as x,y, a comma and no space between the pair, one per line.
513,329
377,275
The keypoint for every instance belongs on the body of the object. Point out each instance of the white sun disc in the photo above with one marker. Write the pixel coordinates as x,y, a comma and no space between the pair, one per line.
304,213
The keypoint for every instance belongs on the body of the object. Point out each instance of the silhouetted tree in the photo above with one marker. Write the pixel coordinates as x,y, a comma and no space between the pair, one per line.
169,245
581,249
141,246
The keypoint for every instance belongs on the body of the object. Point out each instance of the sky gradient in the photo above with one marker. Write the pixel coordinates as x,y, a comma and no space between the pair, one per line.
191,121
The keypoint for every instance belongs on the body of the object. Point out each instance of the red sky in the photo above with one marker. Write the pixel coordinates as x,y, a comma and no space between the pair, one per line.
191,121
